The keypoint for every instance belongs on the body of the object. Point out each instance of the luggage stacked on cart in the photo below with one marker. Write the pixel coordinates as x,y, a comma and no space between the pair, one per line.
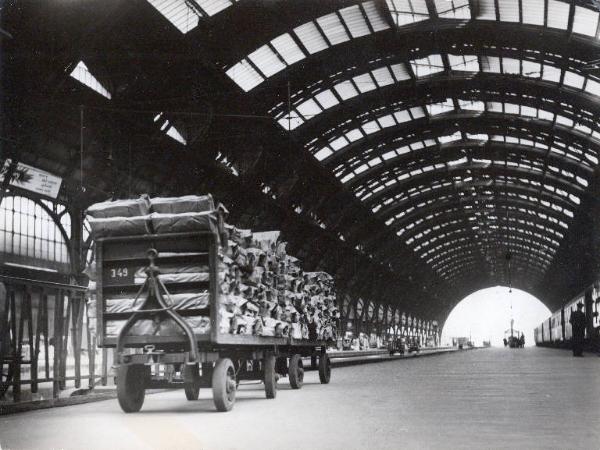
263,291
266,292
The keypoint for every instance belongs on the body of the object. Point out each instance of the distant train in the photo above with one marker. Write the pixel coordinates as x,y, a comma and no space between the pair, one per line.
556,330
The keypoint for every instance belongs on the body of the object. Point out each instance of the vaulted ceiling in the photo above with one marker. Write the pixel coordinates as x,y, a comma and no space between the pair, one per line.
448,145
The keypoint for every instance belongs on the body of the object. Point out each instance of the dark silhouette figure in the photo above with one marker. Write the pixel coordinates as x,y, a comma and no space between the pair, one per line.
505,342
522,340
577,322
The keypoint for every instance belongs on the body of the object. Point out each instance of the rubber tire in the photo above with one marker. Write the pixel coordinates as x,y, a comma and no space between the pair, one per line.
191,381
270,376
324,369
131,386
223,385
296,371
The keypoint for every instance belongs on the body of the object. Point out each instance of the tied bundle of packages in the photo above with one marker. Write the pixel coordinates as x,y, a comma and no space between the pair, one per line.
265,292
145,216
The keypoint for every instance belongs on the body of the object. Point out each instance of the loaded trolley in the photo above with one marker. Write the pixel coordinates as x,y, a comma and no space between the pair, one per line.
155,319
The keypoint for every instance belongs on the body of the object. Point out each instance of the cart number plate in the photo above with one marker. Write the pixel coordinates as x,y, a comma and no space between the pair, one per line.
118,275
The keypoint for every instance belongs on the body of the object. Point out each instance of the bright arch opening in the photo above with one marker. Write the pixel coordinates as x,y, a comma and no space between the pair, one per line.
486,315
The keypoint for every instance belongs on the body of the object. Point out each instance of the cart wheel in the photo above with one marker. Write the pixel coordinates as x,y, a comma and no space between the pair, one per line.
270,376
191,381
313,361
296,371
324,368
223,384
131,389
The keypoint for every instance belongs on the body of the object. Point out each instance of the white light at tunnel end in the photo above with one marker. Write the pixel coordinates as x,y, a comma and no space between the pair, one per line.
486,314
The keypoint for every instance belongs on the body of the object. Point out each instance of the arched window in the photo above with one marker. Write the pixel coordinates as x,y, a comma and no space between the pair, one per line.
30,236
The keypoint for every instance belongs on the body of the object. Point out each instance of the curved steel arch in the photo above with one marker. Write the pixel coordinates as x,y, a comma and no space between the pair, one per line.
456,215
430,153
487,122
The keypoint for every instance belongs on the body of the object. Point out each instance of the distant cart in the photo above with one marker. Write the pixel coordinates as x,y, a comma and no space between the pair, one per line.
204,359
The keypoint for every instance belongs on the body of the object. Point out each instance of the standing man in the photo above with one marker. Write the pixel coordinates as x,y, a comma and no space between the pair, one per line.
577,322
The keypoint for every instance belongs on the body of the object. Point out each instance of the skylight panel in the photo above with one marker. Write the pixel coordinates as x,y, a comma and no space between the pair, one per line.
450,138
309,109
509,10
593,87
585,21
83,75
354,135
511,108
558,14
323,153
338,143
533,12
427,66
382,76
531,69
346,90
468,63
244,75
400,72
408,11
347,178
327,99
487,10
478,137
311,37
364,82
453,9
291,121
551,73
387,121
371,127
573,80
376,19
490,64
528,111
471,105
266,60
212,7
440,108
402,116
173,133
355,21
511,66
333,28
178,12
417,112
288,49
564,120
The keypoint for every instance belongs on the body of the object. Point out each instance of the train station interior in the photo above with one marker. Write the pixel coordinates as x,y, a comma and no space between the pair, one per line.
331,224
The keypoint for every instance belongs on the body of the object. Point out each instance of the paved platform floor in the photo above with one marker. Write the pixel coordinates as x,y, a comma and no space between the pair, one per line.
484,399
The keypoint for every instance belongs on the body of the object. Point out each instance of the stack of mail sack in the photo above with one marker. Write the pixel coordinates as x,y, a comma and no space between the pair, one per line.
263,291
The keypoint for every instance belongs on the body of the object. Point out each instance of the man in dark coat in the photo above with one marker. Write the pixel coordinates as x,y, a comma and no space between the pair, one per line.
577,322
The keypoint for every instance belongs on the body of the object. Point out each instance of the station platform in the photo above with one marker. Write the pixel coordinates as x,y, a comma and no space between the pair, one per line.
490,398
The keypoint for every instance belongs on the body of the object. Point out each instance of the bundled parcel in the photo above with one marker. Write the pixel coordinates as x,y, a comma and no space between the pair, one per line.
262,291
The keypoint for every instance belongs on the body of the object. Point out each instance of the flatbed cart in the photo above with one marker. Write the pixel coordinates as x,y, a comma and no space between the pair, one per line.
210,359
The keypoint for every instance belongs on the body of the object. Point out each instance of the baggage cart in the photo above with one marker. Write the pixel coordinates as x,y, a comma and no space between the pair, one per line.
154,331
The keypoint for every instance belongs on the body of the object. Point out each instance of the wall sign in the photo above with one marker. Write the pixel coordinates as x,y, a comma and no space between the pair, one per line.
31,179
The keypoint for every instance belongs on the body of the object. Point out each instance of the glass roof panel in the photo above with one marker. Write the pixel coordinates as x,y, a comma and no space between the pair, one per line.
327,99
551,73
427,66
244,75
382,76
333,28
178,13
309,108
468,63
172,132
290,121
311,37
400,72
346,90
509,10
364,82
573,80
511,66
84,76
585,21
440,108
531,69
213,7
266,60
355,21
323,153
558,14
387,121
288,49
490,64
408,11
593,87
533,12
377,20
487,10
453,9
